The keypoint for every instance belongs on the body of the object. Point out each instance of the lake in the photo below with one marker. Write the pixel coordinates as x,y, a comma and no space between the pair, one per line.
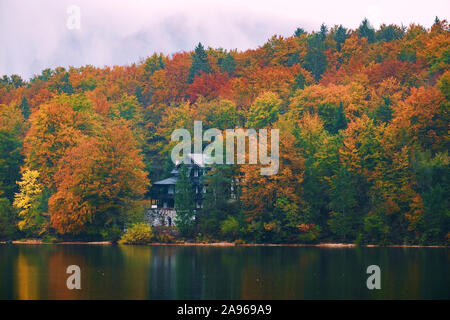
205,272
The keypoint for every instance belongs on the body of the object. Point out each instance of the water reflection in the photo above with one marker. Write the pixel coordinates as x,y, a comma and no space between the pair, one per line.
170,272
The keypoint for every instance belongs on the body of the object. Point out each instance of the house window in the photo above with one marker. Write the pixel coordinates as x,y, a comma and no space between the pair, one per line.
171,190
195,173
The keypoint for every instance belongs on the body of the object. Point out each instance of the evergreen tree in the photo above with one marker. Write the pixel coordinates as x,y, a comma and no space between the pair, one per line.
389,33
227,64
437,21
340,35
200,63
365,30
299,31
153,63
10,161
343,222
433,176
300,82
340,120
25,107
184,202
217,203
315,59
323,32
384,112
138,94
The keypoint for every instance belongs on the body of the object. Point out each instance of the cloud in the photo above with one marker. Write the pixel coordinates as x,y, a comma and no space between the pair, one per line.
34,34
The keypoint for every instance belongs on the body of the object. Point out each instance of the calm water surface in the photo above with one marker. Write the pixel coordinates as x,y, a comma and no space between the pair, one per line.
173,272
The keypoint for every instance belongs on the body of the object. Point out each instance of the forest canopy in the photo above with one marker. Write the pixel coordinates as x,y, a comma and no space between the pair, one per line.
364,137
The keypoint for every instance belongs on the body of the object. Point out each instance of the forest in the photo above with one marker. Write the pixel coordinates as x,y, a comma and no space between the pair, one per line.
363,119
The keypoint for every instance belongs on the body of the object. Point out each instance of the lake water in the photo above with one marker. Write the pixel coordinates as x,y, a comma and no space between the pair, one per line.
175,272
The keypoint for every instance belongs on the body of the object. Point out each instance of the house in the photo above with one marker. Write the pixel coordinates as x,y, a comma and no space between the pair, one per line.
162,193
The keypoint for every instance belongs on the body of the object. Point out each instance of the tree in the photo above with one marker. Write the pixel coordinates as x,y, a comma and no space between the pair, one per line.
323,32
30,202
340,121
299,31
154,63
433,182
218,203
315,59
389,33
10,161
227,64
200,63
7,220
365,30
184,202
55,128
344,221
25,107
265,111
384,111
98,182
340,35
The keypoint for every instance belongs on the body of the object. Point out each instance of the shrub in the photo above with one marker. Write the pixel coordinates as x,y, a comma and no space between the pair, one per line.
139,233
230,227
111,233
164,234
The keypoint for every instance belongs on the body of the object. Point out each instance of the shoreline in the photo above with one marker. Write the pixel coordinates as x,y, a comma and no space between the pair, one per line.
224,244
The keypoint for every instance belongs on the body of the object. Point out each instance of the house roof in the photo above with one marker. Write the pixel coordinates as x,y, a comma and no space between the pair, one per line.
171,180
198,159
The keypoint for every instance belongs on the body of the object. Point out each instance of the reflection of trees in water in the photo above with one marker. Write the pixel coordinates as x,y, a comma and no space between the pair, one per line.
175,272
162,271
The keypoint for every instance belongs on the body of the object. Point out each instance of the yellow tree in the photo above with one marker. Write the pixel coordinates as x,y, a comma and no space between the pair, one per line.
28,203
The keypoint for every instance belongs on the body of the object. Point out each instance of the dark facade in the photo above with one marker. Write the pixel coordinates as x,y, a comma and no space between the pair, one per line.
162,193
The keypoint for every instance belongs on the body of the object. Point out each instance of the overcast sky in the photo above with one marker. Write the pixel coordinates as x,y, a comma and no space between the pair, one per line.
34,34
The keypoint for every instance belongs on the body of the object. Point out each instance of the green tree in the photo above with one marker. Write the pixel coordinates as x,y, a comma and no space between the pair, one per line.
200,63
433,176
340,35
323,32
299,31
227,64
384,111
25,107
7,220
344,221
315,59
184,202
365,30
154,63
10,161
217,203
389,33
340,121
264,111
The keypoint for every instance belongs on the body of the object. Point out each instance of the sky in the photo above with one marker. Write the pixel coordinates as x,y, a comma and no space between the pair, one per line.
40,34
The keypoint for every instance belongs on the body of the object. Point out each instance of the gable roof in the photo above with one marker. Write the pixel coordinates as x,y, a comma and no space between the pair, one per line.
197,158
171,180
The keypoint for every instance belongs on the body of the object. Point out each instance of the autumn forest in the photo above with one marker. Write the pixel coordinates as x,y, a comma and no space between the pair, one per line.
363,118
